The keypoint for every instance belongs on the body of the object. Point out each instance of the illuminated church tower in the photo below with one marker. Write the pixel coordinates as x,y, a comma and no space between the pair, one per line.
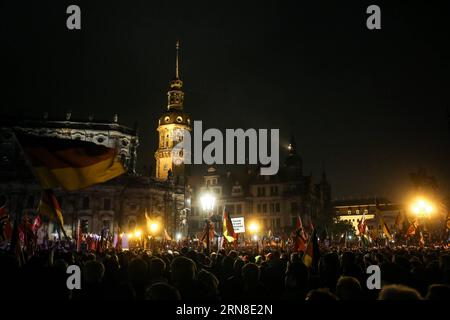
169,124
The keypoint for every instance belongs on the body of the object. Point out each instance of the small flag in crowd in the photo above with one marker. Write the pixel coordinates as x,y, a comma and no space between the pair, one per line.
312,253
385,228
228,230
49,206
300,237
70,164
362,225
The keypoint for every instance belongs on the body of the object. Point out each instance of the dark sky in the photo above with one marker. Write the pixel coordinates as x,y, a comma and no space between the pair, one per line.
370,105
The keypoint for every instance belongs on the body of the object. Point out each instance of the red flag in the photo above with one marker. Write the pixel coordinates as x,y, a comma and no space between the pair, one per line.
362,225
412,228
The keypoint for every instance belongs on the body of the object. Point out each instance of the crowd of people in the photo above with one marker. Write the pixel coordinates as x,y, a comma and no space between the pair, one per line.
407,273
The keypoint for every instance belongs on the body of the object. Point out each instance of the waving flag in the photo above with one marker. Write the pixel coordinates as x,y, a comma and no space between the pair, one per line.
385,228
70,164
312,253
362,224
228,230
300,237
49,206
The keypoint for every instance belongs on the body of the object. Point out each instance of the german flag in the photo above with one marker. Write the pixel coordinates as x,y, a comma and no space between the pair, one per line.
386,230
228,230
49,206
311,256
70,164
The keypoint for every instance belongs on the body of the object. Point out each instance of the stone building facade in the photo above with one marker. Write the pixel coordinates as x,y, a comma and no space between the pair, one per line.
274,202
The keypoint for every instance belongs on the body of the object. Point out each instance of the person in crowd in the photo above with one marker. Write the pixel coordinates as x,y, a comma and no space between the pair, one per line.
348,288
399,292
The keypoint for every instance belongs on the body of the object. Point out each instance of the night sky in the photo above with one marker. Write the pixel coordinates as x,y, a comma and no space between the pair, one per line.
369,105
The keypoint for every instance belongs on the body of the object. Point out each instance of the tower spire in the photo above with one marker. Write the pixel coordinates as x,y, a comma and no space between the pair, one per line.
175,95
177,73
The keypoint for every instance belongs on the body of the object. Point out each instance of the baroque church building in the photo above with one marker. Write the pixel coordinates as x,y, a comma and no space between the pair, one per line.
118,205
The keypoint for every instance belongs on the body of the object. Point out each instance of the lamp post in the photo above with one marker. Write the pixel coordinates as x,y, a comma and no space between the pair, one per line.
153,228
253,227
422,209
208,201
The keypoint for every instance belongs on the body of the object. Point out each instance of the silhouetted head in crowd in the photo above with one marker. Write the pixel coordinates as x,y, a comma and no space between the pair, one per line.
438,292
233,254
297,276
182,270
162,292
348,259
250,273
348,288
210,284
294,257
398,292
157,268
322,294
237,267
138,271
93,272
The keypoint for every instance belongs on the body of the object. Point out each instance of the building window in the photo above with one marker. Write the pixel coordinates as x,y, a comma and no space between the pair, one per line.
107,204
264,208
278,223
85,204
294,207
349,212
238,209
236,189
261,191
277,207
274,190
357,211
294,221
258,208
272,207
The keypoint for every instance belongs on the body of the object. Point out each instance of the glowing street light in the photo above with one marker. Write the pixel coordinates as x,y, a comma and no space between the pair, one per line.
253,227
207,201
154,227
422,207
178,236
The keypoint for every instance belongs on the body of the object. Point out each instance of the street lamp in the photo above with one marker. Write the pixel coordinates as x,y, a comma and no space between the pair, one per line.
208,200
422,207
253,227
154,228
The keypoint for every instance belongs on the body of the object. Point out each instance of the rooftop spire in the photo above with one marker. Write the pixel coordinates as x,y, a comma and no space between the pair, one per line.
175,95
177,73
